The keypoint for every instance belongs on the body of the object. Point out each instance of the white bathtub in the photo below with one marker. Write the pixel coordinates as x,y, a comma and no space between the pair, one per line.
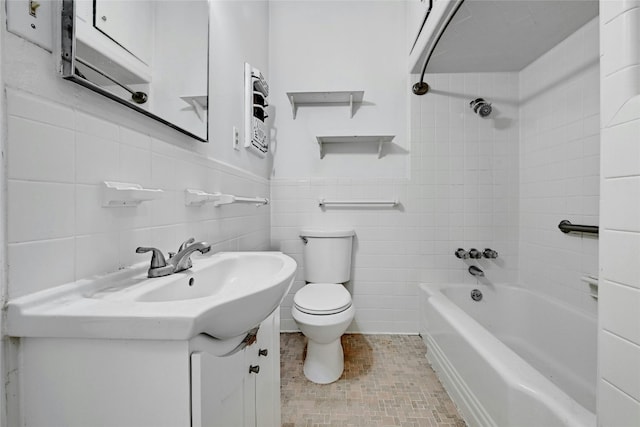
513,359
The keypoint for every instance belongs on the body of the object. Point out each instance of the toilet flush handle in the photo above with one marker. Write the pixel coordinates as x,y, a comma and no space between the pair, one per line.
304,239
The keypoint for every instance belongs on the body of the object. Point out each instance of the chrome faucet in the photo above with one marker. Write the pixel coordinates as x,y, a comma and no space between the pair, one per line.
182,261
475,271
159,266
177,262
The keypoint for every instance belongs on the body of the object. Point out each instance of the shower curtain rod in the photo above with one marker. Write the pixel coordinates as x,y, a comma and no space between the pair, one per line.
421,87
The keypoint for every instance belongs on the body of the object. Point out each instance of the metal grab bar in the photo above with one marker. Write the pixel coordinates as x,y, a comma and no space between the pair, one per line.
324,202
565,226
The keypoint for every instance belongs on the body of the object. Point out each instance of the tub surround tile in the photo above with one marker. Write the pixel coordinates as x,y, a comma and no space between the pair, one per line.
617,212
619,299
620,260
616,301
616,355
622,155
616,408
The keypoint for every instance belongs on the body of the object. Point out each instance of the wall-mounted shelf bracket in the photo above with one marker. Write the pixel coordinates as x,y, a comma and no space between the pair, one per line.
226,199
380,140
123,194
198,197
348,97
200,104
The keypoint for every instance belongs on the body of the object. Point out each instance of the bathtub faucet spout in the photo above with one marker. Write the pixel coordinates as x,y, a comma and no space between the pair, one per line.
475,271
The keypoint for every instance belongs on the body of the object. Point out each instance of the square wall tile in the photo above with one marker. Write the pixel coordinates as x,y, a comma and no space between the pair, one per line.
96,254
615,357
39,210
97,159
25,105
38,265
615,303
615,408
618,210
40,152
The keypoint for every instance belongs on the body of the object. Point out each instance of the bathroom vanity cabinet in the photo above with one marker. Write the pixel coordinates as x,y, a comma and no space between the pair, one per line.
138,383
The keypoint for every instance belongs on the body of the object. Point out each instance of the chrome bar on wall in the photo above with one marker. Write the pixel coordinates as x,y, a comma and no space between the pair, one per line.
565,226
324,202
137,97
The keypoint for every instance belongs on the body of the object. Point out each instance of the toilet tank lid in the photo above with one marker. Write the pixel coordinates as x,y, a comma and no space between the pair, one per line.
327,232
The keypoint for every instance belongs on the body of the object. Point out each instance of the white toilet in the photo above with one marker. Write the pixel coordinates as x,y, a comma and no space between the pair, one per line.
322,308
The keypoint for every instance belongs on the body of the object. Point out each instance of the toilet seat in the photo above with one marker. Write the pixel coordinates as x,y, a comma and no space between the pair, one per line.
322,299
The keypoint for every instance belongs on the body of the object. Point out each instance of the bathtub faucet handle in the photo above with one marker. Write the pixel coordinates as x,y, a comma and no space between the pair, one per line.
462,254
490,253
475,254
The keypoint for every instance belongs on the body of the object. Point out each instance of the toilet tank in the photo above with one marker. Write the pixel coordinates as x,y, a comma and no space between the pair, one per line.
327,255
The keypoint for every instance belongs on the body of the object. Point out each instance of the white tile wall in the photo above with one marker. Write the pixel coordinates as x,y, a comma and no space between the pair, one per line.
503,182
58,230
462,193
619,302
559,167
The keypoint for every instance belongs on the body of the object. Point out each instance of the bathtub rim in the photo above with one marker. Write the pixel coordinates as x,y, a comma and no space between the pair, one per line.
528,380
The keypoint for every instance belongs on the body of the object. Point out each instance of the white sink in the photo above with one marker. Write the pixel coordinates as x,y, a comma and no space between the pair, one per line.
223,295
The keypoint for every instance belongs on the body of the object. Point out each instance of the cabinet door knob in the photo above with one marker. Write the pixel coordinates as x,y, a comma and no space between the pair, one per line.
263,352
254,369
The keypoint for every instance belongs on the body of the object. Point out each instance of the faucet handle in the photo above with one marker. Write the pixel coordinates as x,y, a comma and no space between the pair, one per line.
157,258
186,243
490,253
461,253
475,254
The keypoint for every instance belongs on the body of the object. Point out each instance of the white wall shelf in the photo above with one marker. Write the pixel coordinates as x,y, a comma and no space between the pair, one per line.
349,97
193,197
124,194
380,140
226,199
199,103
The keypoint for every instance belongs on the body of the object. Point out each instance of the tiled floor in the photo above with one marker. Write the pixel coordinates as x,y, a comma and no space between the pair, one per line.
387,381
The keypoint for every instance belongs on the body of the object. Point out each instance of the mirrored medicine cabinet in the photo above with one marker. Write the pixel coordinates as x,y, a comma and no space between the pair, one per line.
151,56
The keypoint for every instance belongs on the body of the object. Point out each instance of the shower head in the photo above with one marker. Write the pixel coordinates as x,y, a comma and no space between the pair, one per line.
480,107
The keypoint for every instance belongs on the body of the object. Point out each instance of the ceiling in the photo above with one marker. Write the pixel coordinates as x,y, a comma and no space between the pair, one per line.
506,35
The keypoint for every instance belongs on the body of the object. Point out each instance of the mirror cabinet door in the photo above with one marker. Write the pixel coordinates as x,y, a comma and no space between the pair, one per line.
151,56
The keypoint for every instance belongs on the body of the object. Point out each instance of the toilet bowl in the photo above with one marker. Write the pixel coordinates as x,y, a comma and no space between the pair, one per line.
323,309
323,312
